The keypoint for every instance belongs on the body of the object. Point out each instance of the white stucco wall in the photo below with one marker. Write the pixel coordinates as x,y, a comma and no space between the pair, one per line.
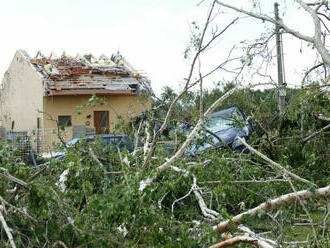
21,95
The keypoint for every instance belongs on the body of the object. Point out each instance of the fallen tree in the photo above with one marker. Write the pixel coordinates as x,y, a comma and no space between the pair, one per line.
271,204
160,197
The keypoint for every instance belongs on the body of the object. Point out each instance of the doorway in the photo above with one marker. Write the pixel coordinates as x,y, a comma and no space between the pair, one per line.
101,122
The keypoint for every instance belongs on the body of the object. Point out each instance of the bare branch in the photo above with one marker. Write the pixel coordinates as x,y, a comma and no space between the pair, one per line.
179,153
237,240
305,209
61,243
17,209
268,19
12,178
5,226
321,116
317,39
92,154
207,212
188,84
325,16
274,164
136,138
38,173
274,180
169,112
248,237
315,134
308,72
58,128
271,204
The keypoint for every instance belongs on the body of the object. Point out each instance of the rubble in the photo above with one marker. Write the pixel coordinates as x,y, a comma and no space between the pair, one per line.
86,74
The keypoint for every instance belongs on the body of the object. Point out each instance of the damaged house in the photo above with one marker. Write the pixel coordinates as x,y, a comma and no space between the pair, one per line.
36,91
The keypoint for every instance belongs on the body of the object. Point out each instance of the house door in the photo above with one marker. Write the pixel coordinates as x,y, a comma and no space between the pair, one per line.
101,121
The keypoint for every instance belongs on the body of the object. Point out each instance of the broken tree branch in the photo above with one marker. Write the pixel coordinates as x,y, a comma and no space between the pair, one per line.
304,141
250,232
146,146
272,204
91,152
185,88
7,175
58,128
274,164
248,237
136,138
320,116
304,208
5,226
38,173
316,39
274,180
179,153
207,212
268,19
59,242
238,239
308,72
17,209
200,49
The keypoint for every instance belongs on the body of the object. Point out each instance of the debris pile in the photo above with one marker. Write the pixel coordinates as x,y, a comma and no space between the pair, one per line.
86,74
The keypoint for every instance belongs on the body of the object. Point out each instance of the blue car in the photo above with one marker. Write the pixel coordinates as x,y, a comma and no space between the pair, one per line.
120,140
222,129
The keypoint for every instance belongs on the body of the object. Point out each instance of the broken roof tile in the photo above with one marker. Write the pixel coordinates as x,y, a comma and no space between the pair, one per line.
88,73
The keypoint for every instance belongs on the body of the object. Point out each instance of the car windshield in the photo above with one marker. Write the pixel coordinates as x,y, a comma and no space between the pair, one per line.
223,121
219,123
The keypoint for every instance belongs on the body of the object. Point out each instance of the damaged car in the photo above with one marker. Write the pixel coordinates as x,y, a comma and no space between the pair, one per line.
221,129
122,141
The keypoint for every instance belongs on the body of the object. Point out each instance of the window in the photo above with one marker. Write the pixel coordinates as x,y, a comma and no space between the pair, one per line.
64,120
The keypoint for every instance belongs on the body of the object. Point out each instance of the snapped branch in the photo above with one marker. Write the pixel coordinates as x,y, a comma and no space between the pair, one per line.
272,204
274,164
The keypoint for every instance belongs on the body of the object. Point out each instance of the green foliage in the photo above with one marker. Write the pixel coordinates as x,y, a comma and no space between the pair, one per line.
92,102
99,209
195,39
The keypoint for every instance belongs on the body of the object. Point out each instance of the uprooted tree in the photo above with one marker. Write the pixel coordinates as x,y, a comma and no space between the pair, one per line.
156,197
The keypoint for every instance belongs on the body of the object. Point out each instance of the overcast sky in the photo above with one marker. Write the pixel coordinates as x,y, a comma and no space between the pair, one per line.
151,34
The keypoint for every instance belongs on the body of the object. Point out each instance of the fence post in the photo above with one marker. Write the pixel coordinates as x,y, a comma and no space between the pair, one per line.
3,134
78,130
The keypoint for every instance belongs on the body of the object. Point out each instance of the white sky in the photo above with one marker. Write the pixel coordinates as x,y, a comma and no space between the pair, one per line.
151,34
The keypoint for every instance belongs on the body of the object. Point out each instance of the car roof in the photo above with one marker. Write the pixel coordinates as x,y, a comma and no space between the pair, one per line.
105,136
92,137
222,112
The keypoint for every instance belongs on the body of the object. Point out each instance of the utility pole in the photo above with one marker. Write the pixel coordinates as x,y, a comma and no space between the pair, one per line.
280,75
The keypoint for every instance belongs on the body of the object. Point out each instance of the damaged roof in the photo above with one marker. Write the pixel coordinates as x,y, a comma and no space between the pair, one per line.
82,75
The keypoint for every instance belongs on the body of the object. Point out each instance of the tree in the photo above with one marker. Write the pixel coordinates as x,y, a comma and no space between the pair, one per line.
318,11
157,197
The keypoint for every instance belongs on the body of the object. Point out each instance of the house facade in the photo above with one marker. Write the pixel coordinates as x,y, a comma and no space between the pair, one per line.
42,91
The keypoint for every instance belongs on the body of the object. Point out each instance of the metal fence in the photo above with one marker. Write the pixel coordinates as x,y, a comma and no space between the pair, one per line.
35,142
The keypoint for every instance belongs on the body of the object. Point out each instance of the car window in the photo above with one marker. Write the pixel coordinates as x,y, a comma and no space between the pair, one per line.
111,140
219,123
122,142
126,143
224,121
106,140
116,140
